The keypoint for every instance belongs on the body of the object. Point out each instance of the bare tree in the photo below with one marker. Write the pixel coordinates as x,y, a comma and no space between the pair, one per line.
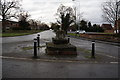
23,20
111,13
34,24
8,10
66,17
23,16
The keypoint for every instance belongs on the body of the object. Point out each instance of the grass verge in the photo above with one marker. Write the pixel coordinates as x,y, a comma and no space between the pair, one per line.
71,34
18,33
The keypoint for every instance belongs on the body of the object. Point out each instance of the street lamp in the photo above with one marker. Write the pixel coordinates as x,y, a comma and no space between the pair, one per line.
76,14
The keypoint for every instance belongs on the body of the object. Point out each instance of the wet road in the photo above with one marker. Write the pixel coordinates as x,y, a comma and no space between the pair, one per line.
39,69
104,48
100,47
43,35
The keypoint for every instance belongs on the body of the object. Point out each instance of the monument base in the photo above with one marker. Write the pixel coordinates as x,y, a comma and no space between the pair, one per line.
61,49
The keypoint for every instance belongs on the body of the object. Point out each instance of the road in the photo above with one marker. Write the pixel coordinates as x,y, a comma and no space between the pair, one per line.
43,35
15,68
100,46
39,69
107,49
104,48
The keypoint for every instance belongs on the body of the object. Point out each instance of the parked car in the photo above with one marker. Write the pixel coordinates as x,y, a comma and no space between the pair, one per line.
80,31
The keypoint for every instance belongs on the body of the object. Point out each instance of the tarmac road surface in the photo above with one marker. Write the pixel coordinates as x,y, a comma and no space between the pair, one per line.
38,69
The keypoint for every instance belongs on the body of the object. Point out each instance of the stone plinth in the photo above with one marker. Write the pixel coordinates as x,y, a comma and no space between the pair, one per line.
60,49
60,45
60,41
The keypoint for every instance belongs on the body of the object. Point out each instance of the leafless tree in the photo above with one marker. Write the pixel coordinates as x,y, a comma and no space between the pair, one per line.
111,13
35,24
8,10
23,16
66,17
23,19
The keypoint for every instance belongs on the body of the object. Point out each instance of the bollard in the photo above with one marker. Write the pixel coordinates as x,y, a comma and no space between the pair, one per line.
93,50
35,47
38,40
68,40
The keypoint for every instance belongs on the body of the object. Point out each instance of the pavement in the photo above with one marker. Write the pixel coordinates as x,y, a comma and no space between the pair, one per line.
18,62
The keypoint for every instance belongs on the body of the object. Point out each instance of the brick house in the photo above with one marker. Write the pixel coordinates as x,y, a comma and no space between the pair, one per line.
118,25
10,24
107,28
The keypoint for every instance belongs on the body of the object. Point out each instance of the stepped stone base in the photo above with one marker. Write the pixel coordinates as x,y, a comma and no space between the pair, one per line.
61,49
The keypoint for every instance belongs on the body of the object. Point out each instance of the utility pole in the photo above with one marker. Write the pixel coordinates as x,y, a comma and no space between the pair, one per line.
116,17
117,10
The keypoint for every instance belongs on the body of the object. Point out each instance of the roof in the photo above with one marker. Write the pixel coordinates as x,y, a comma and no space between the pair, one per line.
10,21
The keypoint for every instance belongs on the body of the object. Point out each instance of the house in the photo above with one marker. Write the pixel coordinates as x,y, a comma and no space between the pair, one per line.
107,28
118,26
10,24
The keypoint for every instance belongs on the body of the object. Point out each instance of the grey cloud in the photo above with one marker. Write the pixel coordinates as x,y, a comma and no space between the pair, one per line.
48,8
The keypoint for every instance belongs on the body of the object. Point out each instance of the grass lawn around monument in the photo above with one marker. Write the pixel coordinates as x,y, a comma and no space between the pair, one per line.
71,34
18,33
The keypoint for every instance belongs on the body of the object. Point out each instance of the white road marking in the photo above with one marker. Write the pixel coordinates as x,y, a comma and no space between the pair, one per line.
48,60
114,62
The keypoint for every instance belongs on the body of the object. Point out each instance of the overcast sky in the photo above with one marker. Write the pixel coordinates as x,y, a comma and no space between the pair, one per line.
45,10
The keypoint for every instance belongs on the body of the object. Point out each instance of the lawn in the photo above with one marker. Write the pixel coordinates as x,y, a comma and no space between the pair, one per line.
72,34
18,33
